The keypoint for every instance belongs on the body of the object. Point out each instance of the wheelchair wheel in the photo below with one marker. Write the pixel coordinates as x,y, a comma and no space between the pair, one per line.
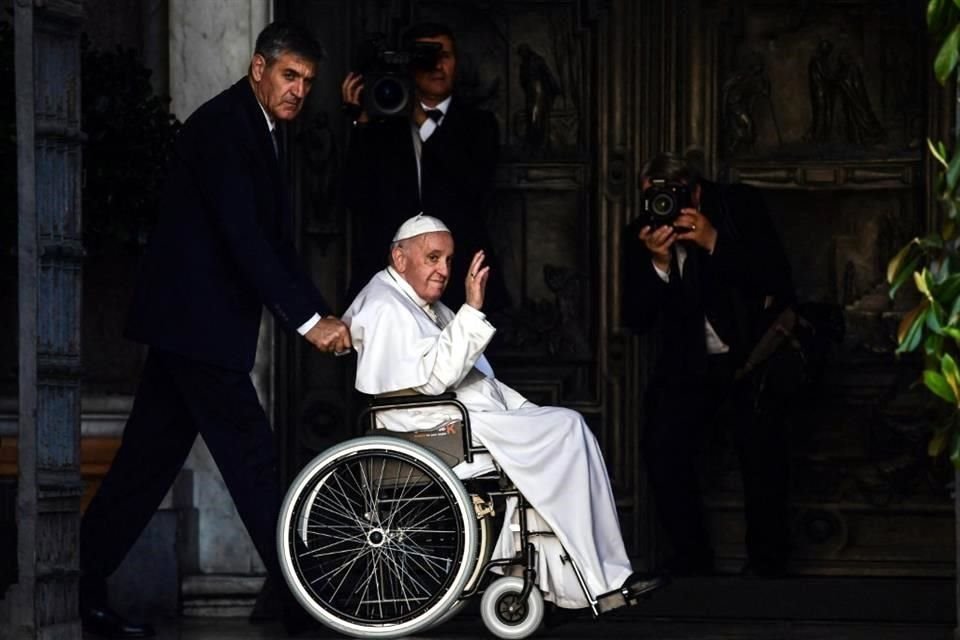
377,537
504,615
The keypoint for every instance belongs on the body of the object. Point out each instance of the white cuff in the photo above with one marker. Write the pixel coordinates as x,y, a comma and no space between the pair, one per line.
309,324
664,275
473,311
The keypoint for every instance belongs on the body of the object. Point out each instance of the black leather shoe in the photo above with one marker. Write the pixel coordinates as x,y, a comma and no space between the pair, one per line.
106,623
638,585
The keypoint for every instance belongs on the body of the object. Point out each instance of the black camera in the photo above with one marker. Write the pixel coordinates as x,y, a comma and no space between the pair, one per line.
388,89
662,202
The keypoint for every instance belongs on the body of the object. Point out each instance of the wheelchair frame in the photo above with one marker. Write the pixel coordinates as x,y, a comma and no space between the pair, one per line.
528,559
302,509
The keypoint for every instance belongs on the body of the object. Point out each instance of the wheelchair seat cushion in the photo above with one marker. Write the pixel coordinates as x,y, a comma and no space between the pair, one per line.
445,440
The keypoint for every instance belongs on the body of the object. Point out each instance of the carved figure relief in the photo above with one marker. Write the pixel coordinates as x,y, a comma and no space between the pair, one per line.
554,327
540,89
862,125
840,82
740,95
545,74
821,93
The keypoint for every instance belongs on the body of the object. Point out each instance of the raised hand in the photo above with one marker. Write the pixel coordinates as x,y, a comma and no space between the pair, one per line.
693,225
476,284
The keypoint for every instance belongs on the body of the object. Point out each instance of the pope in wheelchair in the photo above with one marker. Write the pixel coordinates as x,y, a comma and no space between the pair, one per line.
386,535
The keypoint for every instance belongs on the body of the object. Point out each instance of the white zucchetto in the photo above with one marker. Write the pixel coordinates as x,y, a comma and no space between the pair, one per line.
417,225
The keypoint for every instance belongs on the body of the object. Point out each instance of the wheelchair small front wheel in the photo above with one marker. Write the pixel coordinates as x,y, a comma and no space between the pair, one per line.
505,615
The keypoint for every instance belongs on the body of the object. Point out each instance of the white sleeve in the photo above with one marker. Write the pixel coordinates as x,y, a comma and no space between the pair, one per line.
458,347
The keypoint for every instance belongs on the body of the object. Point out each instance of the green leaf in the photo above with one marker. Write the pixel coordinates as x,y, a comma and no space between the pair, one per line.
954,312
953,170
921,280
955,449
938,442
897,261
935,318
949,368
953,332
938,151
907,271
946,60
948,296
911,328
949,205
909,319
949,230
931,241
939,386
948,290
936,15
933,346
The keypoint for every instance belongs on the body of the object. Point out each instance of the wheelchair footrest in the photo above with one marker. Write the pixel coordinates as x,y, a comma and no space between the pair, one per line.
611,601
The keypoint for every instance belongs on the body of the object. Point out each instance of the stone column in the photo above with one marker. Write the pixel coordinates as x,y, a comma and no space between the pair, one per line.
43,601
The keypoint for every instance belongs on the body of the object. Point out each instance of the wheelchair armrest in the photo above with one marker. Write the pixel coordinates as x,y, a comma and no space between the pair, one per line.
377,402
405,401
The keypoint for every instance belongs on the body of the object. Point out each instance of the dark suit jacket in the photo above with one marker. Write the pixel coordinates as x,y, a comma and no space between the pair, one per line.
222,247
729,287
457,162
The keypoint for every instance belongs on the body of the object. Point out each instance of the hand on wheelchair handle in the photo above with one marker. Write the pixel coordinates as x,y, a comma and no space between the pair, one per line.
476,282
330,335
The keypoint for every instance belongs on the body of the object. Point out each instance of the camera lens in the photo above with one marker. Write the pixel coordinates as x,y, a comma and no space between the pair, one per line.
662,204
389,95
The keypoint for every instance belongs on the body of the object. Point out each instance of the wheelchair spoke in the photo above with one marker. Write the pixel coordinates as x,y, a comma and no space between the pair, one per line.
374,578
397,503
418,502
336,502
369,501
406,576
408,598
338,546
343,568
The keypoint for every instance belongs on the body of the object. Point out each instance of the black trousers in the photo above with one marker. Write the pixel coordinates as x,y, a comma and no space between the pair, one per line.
177,399
681,413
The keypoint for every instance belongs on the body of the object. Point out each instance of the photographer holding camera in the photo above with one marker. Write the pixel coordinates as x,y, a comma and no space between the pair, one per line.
431,153
704,267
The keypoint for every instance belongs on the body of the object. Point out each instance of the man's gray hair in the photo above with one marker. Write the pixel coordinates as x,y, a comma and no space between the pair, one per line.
280,37
671,167
396,244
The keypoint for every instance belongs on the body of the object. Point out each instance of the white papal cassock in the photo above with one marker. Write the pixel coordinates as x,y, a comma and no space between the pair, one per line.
549,452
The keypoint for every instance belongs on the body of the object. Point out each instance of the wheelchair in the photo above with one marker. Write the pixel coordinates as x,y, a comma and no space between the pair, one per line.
379,538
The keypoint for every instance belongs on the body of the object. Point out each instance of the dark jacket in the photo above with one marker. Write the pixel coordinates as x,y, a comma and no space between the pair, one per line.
458,163
730,287
222,247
